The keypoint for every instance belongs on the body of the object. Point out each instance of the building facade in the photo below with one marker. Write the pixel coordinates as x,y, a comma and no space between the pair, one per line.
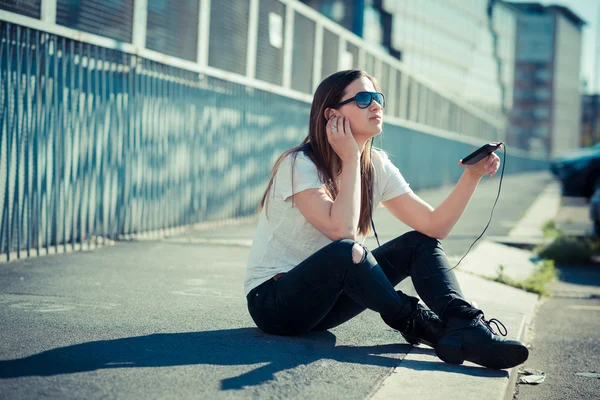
355,15
545,118
465,46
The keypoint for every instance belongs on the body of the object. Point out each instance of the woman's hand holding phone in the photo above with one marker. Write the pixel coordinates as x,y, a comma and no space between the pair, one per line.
487,165
341,139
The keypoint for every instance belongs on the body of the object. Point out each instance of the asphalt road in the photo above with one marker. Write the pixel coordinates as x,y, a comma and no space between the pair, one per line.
566,339
167,319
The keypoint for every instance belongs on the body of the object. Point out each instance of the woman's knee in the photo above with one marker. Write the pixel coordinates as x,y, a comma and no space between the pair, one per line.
356,251
359,253
421,239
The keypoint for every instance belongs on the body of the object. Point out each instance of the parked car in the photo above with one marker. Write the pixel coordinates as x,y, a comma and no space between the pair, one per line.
578,171
595,210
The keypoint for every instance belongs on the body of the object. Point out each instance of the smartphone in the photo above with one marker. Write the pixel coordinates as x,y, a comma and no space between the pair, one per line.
481,153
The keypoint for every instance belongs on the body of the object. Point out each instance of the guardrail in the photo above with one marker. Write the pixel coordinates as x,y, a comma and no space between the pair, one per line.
104,139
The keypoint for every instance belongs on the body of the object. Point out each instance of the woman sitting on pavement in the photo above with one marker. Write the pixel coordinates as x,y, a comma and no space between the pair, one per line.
307,270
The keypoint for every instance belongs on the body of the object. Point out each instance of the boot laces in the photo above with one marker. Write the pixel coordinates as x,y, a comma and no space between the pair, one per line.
497,323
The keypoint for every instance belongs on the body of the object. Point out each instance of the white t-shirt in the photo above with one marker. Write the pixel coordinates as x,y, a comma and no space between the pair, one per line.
286,238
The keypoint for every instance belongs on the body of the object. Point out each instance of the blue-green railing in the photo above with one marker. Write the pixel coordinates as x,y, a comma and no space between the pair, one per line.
98,143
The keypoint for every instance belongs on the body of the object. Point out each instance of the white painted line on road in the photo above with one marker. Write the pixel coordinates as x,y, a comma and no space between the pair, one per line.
587,308
223,242
204,292
46,304
588,374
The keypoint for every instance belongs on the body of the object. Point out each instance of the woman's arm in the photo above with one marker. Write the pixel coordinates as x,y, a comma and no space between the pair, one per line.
336,219
416,213
345,210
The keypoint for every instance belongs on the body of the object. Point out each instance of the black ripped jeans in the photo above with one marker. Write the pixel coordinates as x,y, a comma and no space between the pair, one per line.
329,288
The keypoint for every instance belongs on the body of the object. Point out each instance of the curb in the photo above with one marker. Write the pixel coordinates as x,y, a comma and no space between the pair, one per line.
421,375
529,231
519,315
514,372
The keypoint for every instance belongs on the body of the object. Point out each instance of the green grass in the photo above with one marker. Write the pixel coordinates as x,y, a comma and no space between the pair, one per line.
536,283
568,250
561,249
571,250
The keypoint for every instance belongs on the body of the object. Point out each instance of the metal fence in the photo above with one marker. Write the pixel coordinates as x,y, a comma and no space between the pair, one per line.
282,46
99,143
104,139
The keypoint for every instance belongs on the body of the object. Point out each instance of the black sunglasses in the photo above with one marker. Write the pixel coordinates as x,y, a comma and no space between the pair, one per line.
364,99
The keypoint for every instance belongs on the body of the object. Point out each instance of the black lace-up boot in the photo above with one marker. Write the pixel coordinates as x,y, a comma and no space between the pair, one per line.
473,339
422,326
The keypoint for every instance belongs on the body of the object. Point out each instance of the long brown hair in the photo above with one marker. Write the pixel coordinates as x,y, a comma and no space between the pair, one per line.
316,146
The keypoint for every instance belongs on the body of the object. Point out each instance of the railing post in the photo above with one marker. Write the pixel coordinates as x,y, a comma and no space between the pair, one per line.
252,39
404,97
140,20
378,69
203,32
317,56
341,64
391,92
48,11
288,46
361,58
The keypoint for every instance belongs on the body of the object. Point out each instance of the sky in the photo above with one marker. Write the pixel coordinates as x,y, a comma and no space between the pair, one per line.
588,11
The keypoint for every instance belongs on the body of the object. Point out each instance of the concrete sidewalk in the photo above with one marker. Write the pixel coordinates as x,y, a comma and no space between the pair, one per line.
167,319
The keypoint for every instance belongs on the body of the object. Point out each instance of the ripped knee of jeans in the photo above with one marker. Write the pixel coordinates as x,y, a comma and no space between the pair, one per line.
359,253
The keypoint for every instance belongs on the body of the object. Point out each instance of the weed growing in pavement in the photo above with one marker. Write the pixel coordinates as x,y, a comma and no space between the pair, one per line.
536,283
565,249
551,230
571,250
500,272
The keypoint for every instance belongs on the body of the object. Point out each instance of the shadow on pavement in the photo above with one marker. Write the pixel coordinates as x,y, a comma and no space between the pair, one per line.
243,346
587,275
424,365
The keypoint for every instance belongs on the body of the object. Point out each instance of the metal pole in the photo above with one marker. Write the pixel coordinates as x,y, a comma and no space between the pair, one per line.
596,87
595,90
